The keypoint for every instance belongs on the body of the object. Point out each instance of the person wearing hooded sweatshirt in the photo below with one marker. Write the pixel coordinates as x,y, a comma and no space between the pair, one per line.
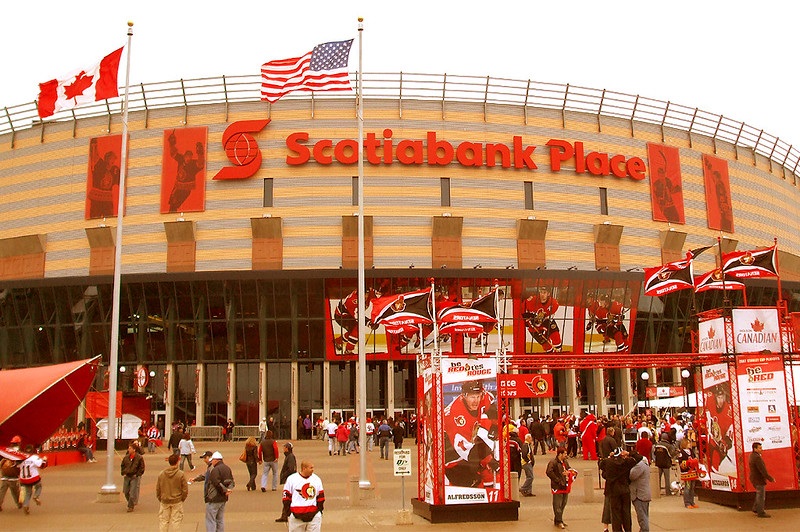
640,491
289,468
171,490
616,470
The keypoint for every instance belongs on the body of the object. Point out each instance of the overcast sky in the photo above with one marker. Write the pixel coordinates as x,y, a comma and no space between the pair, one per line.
733,58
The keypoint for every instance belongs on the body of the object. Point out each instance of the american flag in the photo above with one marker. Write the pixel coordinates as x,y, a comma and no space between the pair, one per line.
322,69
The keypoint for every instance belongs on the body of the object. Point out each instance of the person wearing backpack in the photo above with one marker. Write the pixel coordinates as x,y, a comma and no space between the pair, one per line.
663,453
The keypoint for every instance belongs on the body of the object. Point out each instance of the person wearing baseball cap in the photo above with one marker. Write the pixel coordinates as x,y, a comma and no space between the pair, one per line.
218,487
206,457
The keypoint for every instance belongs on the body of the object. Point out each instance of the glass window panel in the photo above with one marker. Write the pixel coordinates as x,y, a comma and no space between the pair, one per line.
247,394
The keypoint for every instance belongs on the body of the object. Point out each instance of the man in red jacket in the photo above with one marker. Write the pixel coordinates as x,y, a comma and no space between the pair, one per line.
588,428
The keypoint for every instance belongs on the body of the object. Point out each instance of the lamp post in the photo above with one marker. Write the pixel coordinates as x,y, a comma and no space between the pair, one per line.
646,379
684,376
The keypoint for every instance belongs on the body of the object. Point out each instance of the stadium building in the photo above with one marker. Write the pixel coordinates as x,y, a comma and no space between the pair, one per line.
240,247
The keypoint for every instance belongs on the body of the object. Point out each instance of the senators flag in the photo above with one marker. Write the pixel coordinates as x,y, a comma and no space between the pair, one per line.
670,277
750,264
713,280
470,318
402,313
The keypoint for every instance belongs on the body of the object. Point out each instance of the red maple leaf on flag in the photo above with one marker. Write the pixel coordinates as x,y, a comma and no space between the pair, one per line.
711,332
76,88
758,326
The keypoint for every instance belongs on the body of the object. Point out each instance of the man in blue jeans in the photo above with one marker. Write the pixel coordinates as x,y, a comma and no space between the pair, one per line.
759,477
218,486
384,437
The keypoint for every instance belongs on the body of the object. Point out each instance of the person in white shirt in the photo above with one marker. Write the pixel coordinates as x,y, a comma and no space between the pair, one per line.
331,430
262,429
29,478
186,450
304,499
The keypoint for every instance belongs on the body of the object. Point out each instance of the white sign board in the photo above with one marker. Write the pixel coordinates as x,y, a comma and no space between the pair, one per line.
402,462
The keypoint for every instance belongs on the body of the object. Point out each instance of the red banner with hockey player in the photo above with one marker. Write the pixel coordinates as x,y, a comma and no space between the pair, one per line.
102,183
717,442
471,431
719,207
666,190
183,170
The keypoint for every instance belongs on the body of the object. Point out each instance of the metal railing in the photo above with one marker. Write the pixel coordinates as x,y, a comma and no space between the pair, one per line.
210,433
527,94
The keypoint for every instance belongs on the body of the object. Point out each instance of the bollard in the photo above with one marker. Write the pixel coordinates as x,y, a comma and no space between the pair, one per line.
403,517
514,486
655,490
353,492
588,485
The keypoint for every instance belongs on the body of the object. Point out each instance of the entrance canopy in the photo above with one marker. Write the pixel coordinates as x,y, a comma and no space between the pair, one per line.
35,401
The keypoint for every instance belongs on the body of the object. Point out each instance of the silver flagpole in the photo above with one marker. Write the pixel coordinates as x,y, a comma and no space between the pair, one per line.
109,487
363,482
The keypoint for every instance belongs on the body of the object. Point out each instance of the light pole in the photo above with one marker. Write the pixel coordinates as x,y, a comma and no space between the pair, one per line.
684,376
646,379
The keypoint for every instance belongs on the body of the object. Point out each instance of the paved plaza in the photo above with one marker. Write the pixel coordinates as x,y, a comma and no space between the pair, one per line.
69,501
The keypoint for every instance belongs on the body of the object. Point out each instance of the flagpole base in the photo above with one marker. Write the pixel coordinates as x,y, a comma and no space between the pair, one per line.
108,493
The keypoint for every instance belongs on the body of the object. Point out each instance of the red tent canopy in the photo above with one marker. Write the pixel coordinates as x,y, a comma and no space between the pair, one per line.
36,401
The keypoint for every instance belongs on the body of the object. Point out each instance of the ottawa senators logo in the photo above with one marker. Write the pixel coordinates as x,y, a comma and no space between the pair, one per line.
307,491
664,274
399,304
747,259
717,275
460,421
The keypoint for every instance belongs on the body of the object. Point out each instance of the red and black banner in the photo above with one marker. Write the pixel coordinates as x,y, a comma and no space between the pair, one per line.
718,194
402,313
470,318
183,170
670,277
666,188
715,280
750,264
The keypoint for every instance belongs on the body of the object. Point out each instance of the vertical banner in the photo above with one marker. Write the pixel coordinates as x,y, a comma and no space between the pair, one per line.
471,432
712,336
183,170
756,330
102,183
719,207
720,455
765,416
428,464
666,188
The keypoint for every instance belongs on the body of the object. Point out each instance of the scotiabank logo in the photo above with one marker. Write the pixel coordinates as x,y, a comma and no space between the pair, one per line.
437,152
242,149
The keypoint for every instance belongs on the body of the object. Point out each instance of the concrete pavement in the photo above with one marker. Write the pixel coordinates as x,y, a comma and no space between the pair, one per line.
69,501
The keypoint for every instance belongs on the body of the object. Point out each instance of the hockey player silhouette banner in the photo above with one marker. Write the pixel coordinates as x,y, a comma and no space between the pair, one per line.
183,170
102,184
718,194
666,194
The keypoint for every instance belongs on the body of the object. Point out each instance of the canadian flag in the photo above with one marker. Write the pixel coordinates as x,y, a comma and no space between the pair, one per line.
95,83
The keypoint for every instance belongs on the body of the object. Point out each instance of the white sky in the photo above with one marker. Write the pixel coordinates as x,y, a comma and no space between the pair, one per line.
733,58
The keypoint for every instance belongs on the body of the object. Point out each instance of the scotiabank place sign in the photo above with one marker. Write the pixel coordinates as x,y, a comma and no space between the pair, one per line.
242,150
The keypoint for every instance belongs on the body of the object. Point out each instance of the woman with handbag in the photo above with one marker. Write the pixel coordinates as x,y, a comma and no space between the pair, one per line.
250,458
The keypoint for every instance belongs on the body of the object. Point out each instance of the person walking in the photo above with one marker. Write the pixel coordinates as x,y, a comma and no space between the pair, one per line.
663,453
186,450
132,469
561,476
29,479
218,486
640,492
268,454
262,429
758,478
398,434
171,490
251,460
330,428
384,436
342,436
289,468
304,499
9,469
690,470
528,458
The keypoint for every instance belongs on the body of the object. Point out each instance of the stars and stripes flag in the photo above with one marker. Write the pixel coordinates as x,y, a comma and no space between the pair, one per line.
750,264
402,313
469,318
91,84
322,69
715,280
673,276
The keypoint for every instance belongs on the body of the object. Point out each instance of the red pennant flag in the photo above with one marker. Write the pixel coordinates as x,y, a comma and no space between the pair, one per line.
402,313
750,264
713,280
95,83
469,318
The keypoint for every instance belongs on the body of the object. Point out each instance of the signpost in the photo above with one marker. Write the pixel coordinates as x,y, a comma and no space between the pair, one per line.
402,468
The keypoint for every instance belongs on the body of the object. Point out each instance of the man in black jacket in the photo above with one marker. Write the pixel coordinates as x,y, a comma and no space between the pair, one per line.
132,469
218,486
537,431
616,470
759,477
289,467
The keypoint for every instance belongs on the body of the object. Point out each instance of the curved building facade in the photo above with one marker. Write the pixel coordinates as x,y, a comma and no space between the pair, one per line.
240,243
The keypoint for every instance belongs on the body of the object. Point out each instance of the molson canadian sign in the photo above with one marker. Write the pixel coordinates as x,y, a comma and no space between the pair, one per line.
712,336
756,330
433,151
